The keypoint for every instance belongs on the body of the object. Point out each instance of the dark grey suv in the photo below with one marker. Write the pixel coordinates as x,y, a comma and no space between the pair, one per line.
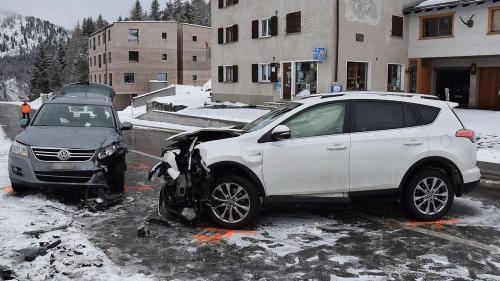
73,141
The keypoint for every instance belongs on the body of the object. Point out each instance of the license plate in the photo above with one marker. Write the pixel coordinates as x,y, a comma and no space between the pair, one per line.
63,166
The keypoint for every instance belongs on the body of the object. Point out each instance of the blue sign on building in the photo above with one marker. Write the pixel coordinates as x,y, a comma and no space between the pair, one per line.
320,54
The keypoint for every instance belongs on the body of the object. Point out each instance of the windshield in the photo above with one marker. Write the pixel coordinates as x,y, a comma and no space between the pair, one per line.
72,115
269,118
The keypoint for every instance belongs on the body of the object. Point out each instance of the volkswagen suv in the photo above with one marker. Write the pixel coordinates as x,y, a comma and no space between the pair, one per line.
331,148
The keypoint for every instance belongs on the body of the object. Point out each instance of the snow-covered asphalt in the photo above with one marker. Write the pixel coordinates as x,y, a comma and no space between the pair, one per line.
362,241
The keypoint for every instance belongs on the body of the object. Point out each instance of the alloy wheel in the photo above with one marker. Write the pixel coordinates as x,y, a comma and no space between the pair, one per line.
431,196
231,202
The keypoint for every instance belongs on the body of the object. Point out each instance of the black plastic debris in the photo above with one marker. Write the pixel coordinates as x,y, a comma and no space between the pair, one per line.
30,254
7,274
142,232
103,201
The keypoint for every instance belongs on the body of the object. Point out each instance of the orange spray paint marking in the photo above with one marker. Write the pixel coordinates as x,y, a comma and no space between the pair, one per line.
217,234
438,223
138,166
8,189
145,187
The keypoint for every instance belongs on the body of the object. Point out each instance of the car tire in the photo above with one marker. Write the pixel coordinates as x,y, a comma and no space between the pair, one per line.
21,188
117,183
429,195
235,202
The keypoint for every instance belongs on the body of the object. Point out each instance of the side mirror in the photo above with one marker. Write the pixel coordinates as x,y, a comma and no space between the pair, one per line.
281,132
126,126
24,123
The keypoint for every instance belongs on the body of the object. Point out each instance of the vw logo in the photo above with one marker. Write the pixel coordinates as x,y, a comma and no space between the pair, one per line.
63,155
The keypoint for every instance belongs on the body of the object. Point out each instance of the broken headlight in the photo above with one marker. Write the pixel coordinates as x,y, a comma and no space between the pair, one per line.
19,149
107,151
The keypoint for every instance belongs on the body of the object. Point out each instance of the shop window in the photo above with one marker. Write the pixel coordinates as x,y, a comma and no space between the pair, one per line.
293,22
162,77
133,56
395,78
133,34
494,20
128,78
397,26
436,26
306,77
357,76
163,56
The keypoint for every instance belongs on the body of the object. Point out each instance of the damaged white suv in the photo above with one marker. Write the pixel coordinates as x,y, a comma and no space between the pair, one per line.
330,148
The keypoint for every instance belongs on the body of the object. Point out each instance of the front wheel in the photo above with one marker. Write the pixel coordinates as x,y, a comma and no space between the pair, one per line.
235,202
117,183
429,195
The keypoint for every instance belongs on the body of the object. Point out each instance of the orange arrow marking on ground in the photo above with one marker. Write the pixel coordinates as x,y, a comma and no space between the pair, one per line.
438,223
138,166
139,187
217,234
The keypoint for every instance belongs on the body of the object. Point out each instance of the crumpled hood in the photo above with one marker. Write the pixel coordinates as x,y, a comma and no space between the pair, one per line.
204,132
68,137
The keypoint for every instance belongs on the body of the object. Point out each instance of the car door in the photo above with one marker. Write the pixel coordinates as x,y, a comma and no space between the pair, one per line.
315,160
385,141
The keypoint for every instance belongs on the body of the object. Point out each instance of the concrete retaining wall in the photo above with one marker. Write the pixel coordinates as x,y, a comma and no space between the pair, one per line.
144,99
169,117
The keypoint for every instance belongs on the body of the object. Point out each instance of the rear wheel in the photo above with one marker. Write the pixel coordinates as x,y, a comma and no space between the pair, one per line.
235,202
429,195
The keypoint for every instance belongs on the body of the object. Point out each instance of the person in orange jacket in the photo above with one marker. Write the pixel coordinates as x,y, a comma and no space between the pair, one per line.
25,110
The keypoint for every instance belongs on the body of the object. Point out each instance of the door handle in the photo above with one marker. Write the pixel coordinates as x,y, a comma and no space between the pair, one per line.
337,147
413,143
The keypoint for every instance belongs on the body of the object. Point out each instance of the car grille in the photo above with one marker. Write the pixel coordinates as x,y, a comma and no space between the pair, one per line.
51,154
65,176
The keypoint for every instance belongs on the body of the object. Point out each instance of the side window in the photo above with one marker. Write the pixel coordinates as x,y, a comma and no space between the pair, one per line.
376,115
410,120
426,114
319,121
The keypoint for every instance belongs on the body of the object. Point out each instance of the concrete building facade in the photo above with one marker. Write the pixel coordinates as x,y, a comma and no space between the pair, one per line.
134,57
273,50
454,51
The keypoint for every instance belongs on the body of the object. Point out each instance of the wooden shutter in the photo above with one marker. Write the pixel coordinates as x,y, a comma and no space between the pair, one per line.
293,22
397,26
235,2
221,35
274,26
221,74
221,4
235,33
255,73
274,72
255,29
235,73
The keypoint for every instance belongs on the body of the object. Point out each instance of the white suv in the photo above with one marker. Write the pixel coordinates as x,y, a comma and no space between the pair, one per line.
335,148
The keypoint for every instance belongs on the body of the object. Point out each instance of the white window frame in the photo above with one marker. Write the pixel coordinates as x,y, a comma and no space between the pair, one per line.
228,70
264,67
262,22
402,74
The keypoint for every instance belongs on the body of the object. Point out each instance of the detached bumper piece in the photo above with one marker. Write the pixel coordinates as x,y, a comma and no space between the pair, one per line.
465,188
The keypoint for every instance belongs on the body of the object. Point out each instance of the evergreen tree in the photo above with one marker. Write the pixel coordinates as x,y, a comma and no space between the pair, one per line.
55,75
76,68
155,10
39,81
119,18
200,12
168,12
136,14
100,22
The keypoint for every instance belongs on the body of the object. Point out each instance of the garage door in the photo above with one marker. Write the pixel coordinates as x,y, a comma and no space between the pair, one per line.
489,87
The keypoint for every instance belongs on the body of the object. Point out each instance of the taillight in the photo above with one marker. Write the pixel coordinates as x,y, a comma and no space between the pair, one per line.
464,133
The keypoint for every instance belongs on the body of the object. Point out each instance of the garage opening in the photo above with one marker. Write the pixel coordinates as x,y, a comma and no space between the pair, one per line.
456,81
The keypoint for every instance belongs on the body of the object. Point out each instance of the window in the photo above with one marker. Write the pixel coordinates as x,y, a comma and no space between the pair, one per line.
426,114
128,78
90,78
306,77
369,116
265,27
264,73
98,40
163,56
323,120
232,34
70,115
95,61
133,34
410,120
105,78
163,35
104,37
99,60
111,79
394,78
109,35
133,56
195,38
228,73
195,77
494,20
100,81
227,3
195,58
357,76
397,26
293,22
161,77
109,57
104,59
90,44
94,43
90,61
436,26
95,78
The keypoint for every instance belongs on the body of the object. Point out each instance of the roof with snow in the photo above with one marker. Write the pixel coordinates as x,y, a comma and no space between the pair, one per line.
430,5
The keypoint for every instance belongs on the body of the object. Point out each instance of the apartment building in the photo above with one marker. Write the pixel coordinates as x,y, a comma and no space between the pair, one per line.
136,56
274,50
454,50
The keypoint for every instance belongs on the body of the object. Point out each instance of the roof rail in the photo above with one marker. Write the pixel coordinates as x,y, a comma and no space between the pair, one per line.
404,95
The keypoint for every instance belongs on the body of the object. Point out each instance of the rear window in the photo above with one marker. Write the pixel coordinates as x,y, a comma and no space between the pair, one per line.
426,114
376,115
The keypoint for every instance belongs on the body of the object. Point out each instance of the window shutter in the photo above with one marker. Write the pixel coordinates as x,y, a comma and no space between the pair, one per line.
221,35
255,73
235,2
274,72
293,22
235,73
274,26
221,4
235,33
397,26
255,29
221,74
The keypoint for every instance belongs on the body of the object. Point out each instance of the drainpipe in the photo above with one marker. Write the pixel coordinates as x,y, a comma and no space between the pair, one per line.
106,54
337,43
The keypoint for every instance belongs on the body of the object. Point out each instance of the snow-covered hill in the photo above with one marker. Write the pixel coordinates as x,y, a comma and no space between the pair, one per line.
20,34
12,89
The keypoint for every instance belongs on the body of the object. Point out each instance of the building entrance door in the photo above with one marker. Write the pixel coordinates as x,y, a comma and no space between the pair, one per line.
489,87
287,81
457,81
